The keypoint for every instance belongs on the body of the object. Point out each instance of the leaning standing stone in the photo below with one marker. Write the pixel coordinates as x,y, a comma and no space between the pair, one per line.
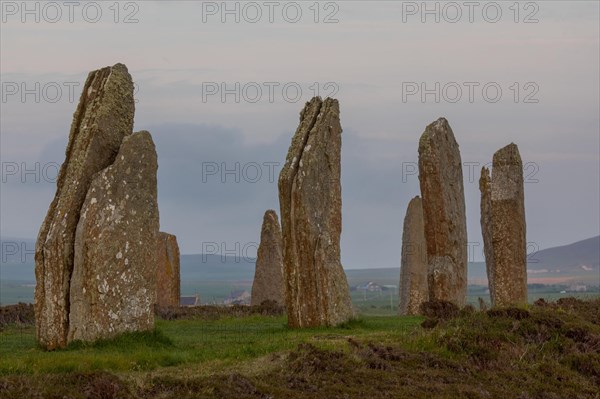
113,288
103,118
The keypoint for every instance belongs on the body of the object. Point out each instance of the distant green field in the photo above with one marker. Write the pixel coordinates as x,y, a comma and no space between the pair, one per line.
213,292
383,303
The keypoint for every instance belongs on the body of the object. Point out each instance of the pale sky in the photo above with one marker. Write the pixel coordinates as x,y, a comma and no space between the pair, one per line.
370,58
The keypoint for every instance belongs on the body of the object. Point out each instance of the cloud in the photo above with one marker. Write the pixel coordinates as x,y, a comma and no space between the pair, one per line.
370,53
202,208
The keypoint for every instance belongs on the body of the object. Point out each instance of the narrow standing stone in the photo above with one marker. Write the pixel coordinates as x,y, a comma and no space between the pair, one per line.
113,287
168,280
317,292
485,186
503,227
441,180
103,118
268,277
413,271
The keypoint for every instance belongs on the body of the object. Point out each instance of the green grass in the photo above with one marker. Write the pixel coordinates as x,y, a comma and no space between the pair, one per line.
367,303
544,351
185,342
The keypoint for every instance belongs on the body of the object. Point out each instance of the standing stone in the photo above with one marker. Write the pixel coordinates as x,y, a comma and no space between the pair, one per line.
413,271
168,282
268,276
441,180
485,186
503,227
103,118
113,287
317,292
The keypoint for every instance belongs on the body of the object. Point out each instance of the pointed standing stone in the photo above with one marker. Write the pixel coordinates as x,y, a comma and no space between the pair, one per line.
503,227
103,118
441,181
168,280
317,292
413,271
113,287
268,277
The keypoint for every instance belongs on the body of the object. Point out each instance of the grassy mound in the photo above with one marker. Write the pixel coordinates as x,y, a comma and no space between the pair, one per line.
549,351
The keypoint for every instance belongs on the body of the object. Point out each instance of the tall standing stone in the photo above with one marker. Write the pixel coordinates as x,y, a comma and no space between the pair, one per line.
168,280
103,118
503,227
485,186
268,276
441,181
317,292
413,270
113,287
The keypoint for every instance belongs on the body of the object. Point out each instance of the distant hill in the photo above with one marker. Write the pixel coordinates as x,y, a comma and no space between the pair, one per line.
573,258
580,260
568,264
15,267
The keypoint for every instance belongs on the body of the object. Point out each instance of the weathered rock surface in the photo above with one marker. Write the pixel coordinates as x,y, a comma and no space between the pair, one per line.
485,186
441,181
268,276
103,118
113,286
503,227
317,292
413,270
168,279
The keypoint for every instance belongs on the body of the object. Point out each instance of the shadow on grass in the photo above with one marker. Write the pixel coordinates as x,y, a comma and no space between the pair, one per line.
151,339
